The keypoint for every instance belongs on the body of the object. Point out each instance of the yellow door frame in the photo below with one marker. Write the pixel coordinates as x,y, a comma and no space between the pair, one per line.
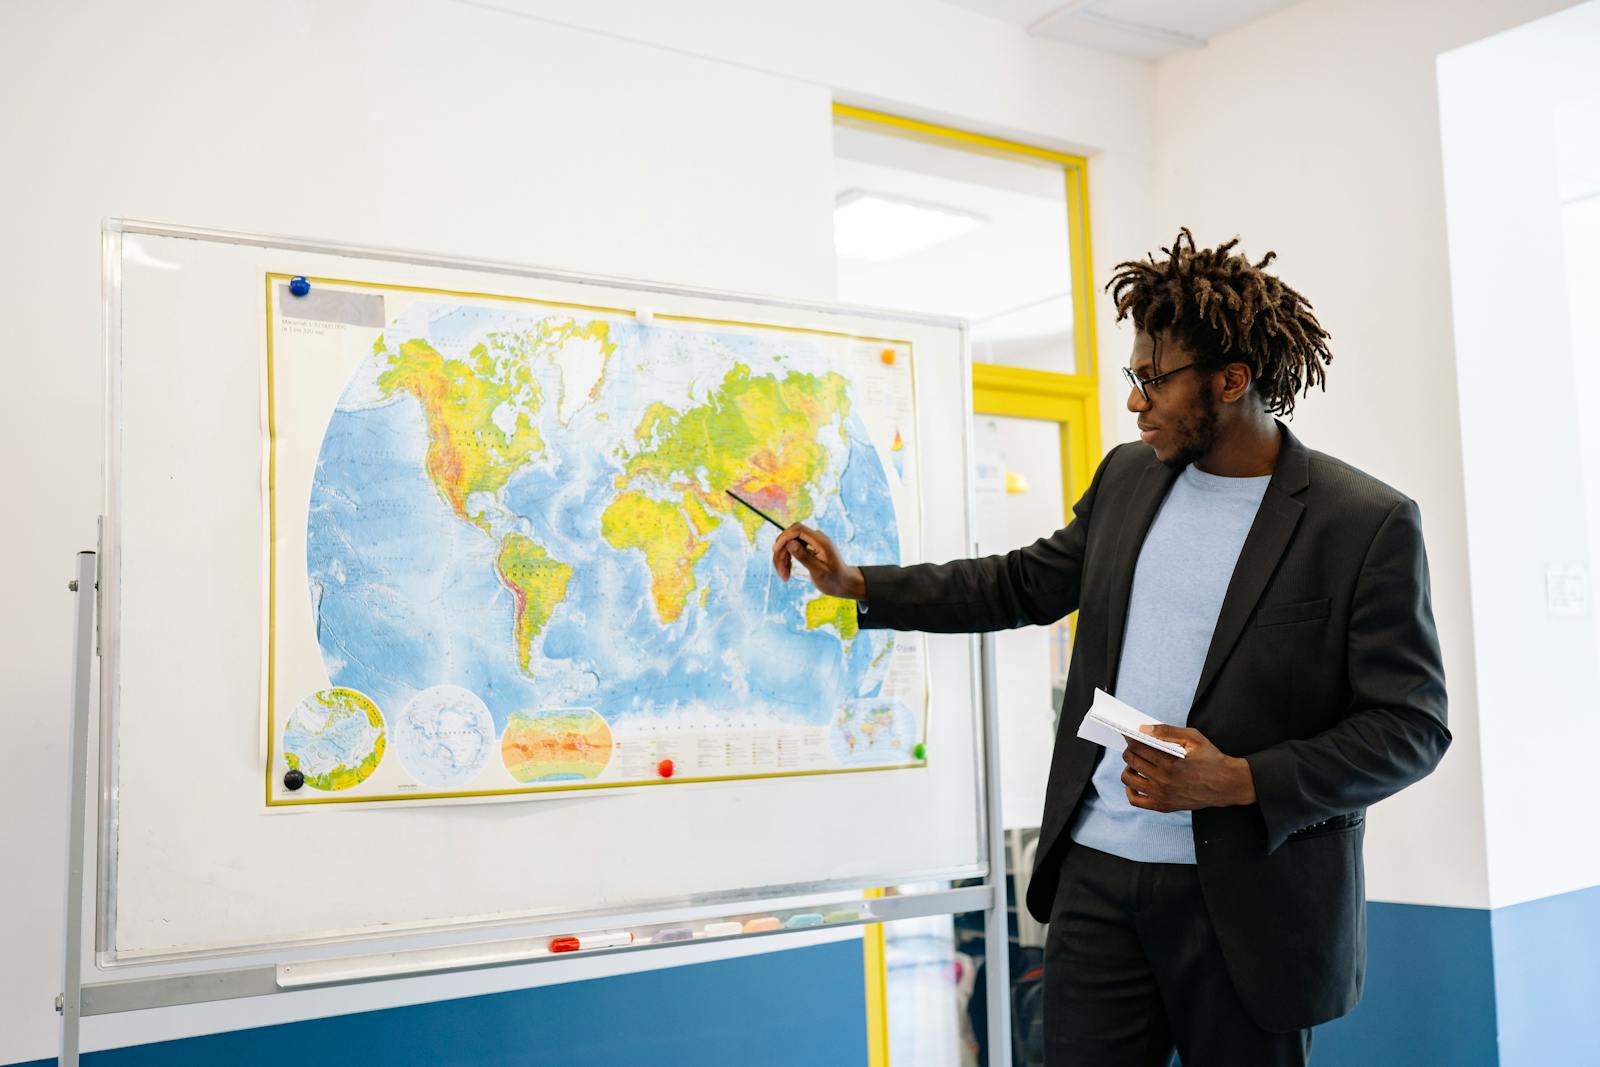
1069,400
1075,172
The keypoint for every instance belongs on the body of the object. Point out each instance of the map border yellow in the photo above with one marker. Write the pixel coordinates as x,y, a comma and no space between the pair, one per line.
269,277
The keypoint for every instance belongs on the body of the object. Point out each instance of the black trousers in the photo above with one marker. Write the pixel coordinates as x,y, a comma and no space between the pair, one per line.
1133,971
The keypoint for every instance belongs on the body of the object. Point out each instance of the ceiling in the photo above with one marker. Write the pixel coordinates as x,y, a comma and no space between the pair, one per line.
1142,29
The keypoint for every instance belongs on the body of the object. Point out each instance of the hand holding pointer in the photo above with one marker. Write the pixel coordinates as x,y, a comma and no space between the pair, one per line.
827,570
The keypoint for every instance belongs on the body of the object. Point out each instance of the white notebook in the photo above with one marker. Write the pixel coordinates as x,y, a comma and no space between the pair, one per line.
1110,720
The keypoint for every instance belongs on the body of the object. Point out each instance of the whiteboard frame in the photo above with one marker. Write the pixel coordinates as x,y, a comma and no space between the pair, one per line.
107,814
204,977
151,984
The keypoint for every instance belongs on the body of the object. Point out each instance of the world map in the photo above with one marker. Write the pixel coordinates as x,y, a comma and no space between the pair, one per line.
519,541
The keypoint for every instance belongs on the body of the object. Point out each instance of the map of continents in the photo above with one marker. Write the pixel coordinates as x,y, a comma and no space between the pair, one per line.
531,507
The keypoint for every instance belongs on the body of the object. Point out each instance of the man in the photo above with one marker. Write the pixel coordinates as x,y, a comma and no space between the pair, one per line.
1271,605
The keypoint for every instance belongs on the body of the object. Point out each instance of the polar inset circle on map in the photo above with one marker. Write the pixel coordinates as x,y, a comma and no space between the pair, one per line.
556,745
873,732
335,737
444,736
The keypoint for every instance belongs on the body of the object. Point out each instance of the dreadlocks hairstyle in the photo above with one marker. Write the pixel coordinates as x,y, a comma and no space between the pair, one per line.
1227,310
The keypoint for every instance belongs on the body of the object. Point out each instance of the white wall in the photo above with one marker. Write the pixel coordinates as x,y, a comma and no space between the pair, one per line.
1581,222
935,61
1521,407
687,142
1315,132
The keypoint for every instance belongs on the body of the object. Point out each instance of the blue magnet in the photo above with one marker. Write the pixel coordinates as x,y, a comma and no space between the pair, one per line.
299,286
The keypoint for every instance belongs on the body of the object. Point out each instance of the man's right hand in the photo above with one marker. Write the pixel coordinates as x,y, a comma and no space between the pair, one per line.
827,570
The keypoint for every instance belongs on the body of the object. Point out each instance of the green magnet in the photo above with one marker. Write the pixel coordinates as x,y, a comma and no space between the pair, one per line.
919,752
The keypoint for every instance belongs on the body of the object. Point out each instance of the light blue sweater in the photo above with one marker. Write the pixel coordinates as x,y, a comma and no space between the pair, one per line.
1183,572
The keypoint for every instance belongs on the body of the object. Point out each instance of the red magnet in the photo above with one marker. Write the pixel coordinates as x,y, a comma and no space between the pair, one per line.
565,944
664,768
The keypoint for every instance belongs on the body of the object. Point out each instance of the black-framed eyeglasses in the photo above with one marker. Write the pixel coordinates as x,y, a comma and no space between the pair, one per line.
1144,384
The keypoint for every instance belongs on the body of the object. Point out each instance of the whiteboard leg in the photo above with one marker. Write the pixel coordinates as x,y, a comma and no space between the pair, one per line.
70,1002
997,936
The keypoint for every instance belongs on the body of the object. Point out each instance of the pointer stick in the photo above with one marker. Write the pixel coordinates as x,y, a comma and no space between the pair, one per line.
769,518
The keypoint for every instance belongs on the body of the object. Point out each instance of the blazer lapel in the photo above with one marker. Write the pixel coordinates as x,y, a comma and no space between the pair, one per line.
1154,482
1264,546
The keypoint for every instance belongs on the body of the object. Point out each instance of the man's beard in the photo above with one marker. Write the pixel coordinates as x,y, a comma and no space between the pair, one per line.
1197,434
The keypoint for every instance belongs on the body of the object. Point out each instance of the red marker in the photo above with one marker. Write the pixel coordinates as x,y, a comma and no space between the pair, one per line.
665,768
610,939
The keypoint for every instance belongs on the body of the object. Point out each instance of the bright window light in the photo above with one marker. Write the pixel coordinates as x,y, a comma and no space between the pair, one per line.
876,227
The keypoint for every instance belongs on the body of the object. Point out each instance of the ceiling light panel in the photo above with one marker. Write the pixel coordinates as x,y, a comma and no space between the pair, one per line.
877,227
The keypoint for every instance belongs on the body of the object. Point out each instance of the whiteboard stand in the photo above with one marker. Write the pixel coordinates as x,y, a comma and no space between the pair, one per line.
70,1001
78,999
996,927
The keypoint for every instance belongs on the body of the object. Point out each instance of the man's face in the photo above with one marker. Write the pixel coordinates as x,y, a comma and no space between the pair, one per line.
1179,420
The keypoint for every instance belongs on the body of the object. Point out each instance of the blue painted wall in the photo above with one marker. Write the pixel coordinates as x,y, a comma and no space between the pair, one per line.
1547,980
797,1008
1514,987
1429,997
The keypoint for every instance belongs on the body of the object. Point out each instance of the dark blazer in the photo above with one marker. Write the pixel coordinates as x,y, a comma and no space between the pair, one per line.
1323,672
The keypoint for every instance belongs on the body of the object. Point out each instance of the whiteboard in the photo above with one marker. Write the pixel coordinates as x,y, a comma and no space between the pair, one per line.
192,864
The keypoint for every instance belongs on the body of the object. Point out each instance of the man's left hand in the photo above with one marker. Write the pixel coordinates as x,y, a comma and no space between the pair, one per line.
1204,778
